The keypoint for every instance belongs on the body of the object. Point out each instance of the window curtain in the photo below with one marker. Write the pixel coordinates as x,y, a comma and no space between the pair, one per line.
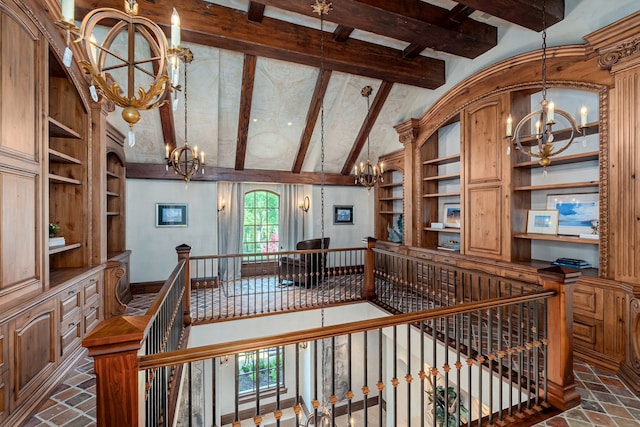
290,215
230,223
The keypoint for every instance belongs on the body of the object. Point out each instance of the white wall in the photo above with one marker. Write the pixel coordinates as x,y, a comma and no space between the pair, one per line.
343,235
153,254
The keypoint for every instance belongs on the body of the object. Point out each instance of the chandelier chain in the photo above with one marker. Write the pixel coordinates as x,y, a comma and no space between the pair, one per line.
544,52
185,102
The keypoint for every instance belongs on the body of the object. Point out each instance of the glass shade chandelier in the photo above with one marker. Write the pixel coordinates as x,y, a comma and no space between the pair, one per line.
108,57
368,174
542,144
185,160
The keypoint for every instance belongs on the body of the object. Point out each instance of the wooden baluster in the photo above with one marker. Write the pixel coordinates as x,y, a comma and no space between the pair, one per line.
562,387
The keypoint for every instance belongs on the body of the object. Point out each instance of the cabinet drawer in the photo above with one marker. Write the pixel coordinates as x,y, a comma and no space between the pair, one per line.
70,334
90,287
91,316
69,301
588,301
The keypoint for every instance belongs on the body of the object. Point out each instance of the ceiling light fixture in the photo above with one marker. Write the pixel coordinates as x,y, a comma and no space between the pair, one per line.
101,59
185,160
368,174
542,143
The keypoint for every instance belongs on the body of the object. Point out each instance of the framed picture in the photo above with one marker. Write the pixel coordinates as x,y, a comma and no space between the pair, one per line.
342,214
171,215
542,221
451,215
577,213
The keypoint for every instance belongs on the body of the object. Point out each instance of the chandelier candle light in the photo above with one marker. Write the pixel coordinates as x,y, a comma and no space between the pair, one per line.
100,59
545,145
368,174
185,160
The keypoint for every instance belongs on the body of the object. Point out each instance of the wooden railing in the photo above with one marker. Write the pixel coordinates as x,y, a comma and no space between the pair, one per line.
486,341
240,285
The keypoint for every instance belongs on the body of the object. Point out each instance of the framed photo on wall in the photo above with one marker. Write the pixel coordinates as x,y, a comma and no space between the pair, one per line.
577,213
171,215
542,221
451,215
342,214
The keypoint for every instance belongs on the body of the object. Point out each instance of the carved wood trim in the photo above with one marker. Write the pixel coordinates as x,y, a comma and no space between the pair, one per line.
603,250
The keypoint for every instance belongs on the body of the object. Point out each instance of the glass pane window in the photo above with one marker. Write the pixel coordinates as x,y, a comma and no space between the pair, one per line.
261,216
260,367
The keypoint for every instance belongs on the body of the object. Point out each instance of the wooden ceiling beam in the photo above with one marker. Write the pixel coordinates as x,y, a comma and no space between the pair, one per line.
158,171
413,21
244,116
212,25
525,13
256,12
342,33
166,119
365,129
312,117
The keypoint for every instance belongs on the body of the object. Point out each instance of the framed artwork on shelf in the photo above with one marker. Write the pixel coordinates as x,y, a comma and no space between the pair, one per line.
171,215
577,213
542,221
451,215
342,214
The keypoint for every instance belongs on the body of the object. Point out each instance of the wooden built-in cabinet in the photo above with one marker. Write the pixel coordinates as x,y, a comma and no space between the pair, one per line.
440,185
52,170
496,189
390,196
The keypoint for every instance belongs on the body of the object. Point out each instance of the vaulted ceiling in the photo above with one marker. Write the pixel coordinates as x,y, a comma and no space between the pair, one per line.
256,88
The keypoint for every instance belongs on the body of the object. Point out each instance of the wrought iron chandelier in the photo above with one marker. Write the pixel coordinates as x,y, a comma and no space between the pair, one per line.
101,59
368,174
542,144
185,160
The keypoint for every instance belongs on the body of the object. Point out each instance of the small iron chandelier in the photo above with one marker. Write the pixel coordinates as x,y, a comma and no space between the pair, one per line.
368,174
545,145
100,59
185,160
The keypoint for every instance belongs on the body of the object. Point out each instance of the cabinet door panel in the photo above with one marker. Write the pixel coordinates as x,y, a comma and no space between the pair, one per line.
34,348
18,215
483,144
18,79
483,217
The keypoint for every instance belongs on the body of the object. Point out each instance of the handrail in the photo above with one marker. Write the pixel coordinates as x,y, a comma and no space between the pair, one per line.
218,350
162,295
273,254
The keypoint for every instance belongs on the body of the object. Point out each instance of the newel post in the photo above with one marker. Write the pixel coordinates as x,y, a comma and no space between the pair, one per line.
562,392
184,252
368,290
114,345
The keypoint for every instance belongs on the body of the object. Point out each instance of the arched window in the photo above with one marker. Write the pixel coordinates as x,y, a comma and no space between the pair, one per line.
260,226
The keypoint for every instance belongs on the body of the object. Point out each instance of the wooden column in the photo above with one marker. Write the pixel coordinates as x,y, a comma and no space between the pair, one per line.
368,290
184,252
408,134
114,345
562,386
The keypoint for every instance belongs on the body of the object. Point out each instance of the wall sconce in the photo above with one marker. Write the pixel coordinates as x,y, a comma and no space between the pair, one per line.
224,360
304,205
222,205
303,345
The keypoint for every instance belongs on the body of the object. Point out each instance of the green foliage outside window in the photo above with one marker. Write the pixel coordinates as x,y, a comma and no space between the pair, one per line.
261,222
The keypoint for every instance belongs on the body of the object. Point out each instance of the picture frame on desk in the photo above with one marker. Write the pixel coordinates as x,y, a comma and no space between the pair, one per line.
541,221
576,212
451,215
171,215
